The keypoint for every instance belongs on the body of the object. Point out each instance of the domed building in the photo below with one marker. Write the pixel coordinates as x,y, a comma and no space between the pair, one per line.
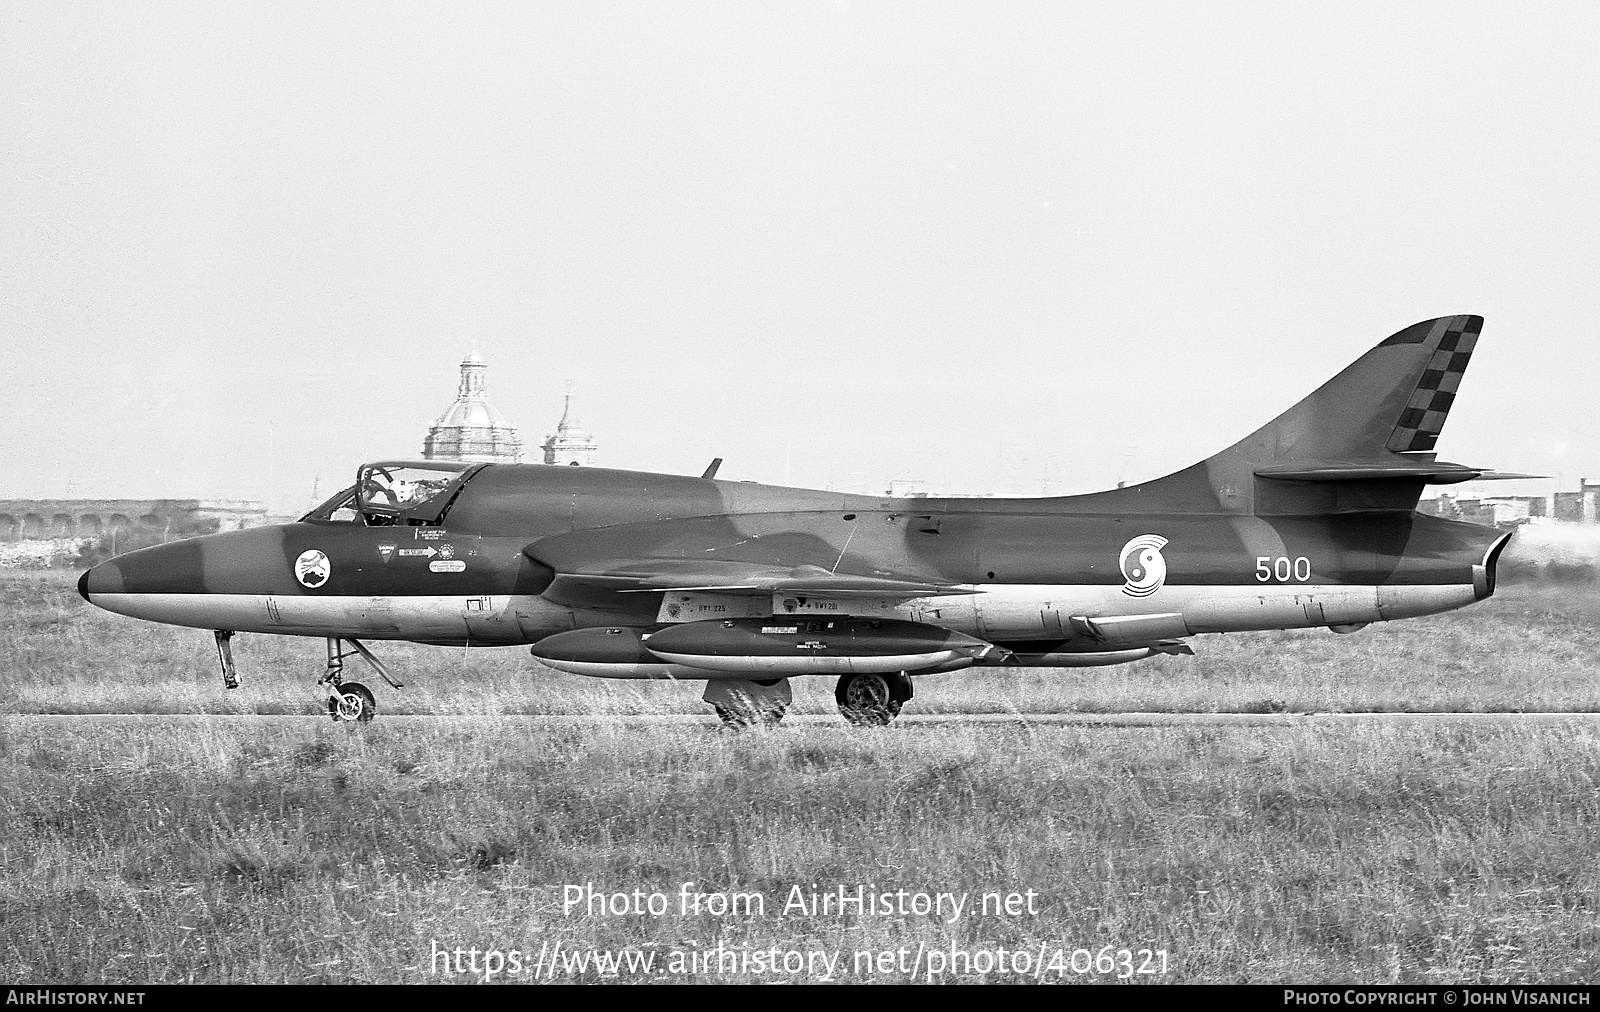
471,428
571,443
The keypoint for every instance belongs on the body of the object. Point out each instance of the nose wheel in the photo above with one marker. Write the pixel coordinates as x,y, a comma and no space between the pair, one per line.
872,700
351,701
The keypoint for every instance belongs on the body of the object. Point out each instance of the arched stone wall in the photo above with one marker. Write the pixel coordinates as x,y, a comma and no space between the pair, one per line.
164,519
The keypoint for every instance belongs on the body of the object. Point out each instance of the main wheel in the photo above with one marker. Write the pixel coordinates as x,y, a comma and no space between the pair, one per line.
742,703
872,700
352,701
738,718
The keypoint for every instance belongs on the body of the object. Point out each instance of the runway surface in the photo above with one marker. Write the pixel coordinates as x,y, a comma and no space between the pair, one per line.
690,719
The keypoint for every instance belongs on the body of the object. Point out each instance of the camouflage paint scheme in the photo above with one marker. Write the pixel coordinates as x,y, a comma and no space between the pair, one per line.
1309,521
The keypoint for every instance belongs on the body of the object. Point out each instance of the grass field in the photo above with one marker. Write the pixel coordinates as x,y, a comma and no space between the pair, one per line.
241,848
260,849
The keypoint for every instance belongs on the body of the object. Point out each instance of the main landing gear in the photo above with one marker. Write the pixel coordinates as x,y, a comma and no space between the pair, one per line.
351,701
866,700
872,700
741,704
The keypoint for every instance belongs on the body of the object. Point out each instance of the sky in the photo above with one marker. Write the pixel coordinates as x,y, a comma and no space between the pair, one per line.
1003,248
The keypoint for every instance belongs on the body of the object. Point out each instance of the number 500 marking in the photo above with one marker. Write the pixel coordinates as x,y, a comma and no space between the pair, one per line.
1282,568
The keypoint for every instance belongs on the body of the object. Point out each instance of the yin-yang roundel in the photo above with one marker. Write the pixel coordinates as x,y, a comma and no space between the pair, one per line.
1143,565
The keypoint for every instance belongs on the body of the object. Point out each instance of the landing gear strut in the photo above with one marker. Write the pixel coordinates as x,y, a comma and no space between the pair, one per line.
230,677
872,700
351,700
741,704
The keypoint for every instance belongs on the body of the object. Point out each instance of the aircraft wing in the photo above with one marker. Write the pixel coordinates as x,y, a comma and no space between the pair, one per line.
636,577
708,555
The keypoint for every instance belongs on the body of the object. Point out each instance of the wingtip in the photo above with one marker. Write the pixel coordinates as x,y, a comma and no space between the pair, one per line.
1417,333
1507,476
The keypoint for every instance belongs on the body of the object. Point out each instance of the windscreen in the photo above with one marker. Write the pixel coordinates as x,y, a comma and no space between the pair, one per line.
339,509
409,493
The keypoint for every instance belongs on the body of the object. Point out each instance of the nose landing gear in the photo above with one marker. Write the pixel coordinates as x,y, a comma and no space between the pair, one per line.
351,701
230,674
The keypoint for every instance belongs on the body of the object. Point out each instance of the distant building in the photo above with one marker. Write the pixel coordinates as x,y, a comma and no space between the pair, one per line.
571,443
471,428
1532,505
1507,509
907,488
1502,510
66,519
1496,512
1580,507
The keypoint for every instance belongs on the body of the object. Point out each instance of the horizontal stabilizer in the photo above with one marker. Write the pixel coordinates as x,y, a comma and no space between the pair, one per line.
1506,476
1428,472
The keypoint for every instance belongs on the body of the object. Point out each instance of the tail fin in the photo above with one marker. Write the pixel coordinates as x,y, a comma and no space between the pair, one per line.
1394,399
1451,340
1361,441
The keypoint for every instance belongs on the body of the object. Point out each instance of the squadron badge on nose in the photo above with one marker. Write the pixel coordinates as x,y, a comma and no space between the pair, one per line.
312,568
1143,565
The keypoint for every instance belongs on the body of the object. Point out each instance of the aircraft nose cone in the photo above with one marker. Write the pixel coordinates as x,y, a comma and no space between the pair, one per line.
105,578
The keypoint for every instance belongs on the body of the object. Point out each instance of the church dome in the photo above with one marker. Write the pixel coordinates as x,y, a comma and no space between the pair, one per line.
471,428
471,414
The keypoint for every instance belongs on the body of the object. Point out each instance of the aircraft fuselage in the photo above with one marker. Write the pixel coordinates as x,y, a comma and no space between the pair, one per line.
481,577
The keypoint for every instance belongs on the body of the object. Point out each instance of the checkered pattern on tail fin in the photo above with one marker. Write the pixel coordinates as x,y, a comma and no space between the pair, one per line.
1452,340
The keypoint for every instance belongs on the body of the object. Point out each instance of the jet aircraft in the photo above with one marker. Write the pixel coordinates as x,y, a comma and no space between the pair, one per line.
1310,521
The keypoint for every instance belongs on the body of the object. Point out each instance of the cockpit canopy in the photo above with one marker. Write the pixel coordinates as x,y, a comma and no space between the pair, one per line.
398,492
